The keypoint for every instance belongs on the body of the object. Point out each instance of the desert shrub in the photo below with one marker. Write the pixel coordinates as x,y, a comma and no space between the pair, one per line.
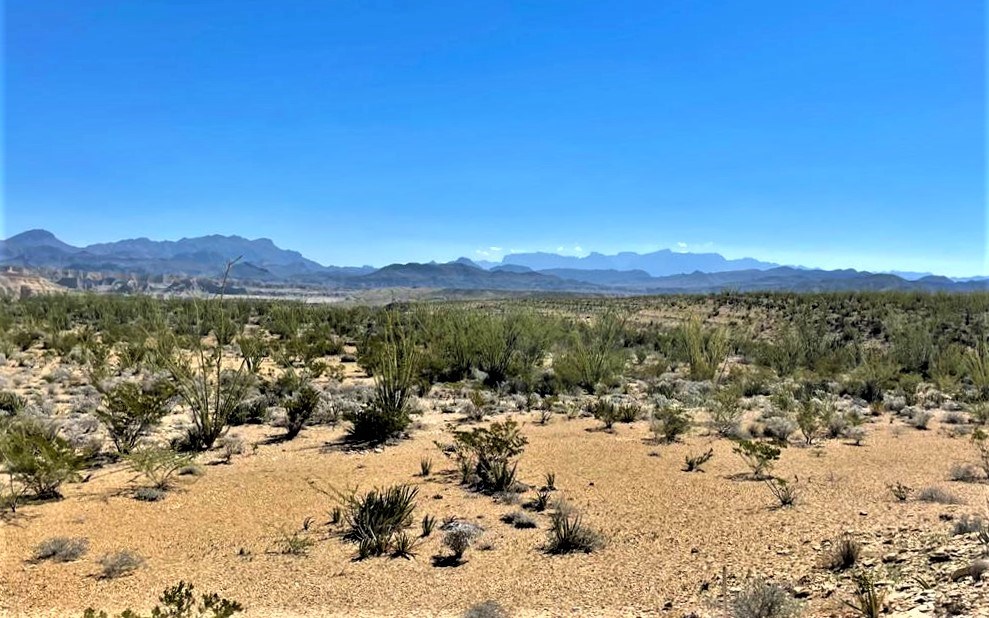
605,411
726,410
629,412
569,534
518,519
980,440
251,411
491,454
968,524
119,563
158,465
297,542
844,554
130,410
508,346
976,366
937,495
868,598
254,349
758,456
785,492
60,549
376,518
299,409
487,609
964,472
876,373
180,602
779,429
810,418
458,538
395,361
669,422
594,354
10,403
149,494
695,463
762,599
35,456
705,350
920,418
900,491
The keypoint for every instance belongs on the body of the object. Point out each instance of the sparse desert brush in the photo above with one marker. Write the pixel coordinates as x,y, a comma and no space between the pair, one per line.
158,465
669,422
844,553
786,492
131,409
458,538
487,609
868,597
518,519
758,456
726,410
762,599
298,541
938,495
489,454
180,602
695,463
375,519
60,549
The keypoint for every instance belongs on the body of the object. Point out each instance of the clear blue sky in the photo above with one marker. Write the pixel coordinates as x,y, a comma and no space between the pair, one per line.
823,133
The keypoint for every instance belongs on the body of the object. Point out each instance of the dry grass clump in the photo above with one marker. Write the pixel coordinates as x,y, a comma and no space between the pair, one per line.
762,599
118,564
844,554
60,549
518,519
569,534
938,495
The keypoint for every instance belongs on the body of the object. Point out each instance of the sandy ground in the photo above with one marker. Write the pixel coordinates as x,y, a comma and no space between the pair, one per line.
667,532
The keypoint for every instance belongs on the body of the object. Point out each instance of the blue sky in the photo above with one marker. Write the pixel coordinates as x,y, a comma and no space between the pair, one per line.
834,134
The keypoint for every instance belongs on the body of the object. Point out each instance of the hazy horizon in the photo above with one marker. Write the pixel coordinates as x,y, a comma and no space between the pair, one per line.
837,136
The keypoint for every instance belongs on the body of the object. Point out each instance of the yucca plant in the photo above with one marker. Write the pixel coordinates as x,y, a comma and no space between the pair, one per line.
569,534
375,519
868,599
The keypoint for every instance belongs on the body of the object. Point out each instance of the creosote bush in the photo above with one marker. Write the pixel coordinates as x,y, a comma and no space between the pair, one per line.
130,410
36,457
487,456
158,465
758,456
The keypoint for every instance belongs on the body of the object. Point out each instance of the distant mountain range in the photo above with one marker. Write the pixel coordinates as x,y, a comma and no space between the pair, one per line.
265,264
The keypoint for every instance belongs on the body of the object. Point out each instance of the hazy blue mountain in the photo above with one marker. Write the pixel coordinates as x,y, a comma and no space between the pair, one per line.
658,263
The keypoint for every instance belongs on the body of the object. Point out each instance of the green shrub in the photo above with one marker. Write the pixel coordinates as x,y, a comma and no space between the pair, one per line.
758,456
669,422
130,410
726,410
705,350
594,354
491,454
158,465
35,456
299,409
180,602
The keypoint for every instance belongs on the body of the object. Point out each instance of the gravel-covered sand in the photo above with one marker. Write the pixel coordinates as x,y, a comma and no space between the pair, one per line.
668,532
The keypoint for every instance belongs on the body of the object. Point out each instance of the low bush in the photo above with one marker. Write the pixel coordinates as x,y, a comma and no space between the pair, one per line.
669,422
844,554
937,495
758,456
180,602
35,456
762,599
695,463
130,410
60,549
490,455
518,519
158,465
299,409
120,563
